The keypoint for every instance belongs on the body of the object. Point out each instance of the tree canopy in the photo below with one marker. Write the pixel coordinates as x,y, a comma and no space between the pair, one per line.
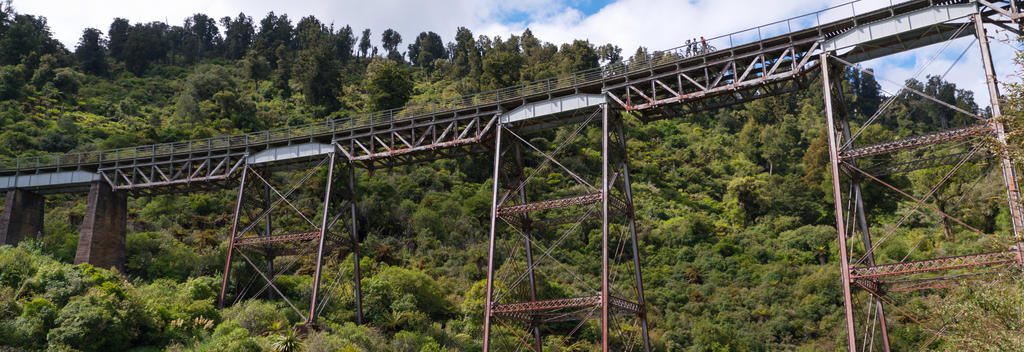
736,231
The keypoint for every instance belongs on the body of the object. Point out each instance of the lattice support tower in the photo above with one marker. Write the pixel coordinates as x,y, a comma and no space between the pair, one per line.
293,216
858,268
529,232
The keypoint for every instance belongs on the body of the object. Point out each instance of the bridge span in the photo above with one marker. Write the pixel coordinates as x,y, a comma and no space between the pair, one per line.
769,60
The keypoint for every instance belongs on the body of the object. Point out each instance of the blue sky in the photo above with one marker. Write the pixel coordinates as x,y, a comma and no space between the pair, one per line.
654,24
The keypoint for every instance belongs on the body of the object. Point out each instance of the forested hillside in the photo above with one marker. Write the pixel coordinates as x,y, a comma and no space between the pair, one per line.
736,226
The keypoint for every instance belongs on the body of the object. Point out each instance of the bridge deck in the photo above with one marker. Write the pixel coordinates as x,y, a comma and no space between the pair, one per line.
751,65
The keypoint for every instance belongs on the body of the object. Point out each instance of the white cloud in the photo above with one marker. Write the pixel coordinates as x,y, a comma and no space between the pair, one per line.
655,24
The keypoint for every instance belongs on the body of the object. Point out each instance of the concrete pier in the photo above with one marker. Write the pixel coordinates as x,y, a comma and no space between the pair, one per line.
101,240
22,217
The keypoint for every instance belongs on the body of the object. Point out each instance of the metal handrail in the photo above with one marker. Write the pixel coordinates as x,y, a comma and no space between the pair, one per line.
514,93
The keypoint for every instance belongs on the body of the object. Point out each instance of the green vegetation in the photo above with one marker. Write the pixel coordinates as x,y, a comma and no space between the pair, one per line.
735,223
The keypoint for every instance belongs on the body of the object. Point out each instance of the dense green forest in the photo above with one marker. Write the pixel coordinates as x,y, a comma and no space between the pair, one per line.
734,205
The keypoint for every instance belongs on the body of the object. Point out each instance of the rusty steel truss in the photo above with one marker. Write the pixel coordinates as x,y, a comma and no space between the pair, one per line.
530,232
274,218
847,166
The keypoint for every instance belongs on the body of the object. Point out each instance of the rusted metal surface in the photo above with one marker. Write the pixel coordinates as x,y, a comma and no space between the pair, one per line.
927,163
529,221
559,203
918,141
939,264
558,310
837,194
291,237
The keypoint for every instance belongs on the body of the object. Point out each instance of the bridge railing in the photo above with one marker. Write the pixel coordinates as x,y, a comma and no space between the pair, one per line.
514,93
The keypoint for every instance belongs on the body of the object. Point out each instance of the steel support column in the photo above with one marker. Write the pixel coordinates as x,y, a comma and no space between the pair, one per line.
866,235
535,330
490,247
605,294
311,318
837,196
631,214
858,202
231,238
357,273
1009,172
267,231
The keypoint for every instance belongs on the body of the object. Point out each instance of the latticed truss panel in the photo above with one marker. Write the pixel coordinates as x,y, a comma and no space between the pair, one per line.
696,81
415,138
171,173
921,266
918,141
907,276
563,309
533,232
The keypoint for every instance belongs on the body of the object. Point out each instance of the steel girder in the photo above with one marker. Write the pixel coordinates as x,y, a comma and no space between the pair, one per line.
173,173
416,139
718,80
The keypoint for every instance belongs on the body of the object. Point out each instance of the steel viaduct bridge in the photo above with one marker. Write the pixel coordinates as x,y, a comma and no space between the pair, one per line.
765,61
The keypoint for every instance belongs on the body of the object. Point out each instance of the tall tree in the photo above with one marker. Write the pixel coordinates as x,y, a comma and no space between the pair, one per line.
427,47
501,63
610,54
866,92
364,43
91,52
275,32
388,85
6,12
146,44
26,36
238,35
539,58
118,36
201,34
315,67
344,43
465,56
578,56
390,40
